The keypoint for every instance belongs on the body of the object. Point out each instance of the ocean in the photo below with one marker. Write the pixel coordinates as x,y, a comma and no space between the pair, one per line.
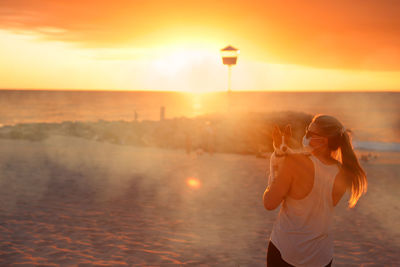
374,117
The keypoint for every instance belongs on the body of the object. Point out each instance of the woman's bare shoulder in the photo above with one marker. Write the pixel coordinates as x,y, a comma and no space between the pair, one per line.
298,159
299,162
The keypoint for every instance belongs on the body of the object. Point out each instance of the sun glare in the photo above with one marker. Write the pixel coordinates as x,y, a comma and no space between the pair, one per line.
179,60
187,69
193,182
172,64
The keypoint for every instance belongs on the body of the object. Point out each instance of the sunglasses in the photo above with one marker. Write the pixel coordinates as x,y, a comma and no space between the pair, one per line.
311,134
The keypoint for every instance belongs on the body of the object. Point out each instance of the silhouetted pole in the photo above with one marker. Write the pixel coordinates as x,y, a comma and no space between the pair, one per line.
229,78
162,113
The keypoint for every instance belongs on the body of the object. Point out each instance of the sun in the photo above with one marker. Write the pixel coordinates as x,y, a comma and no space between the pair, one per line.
173,63
186,69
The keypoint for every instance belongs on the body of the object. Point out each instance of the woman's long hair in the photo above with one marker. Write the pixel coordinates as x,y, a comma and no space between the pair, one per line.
339,142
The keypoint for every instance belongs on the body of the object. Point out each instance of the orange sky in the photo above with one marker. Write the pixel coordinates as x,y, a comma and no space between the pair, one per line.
174,45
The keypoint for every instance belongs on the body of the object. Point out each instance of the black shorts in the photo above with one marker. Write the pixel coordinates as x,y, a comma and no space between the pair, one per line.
274,258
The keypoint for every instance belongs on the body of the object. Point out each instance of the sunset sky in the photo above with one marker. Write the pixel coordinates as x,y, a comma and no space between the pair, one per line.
174,45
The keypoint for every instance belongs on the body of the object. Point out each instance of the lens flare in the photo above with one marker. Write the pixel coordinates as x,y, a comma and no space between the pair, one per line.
193,182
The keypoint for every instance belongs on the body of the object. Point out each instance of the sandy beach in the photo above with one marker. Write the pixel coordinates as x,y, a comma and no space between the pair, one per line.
71,201
139,133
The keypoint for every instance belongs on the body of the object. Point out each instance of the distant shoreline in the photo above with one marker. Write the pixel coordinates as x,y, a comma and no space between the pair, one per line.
247,133
185,92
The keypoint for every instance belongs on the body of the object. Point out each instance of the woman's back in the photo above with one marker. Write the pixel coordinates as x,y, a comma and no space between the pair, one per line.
303,178
302,231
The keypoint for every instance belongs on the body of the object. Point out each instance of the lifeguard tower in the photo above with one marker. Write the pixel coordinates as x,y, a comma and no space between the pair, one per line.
229,57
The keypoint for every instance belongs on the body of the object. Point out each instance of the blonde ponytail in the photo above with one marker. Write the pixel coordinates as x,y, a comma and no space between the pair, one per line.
350,163
339,143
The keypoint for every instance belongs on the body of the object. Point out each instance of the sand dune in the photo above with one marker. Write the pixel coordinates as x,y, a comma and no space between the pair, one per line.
71,201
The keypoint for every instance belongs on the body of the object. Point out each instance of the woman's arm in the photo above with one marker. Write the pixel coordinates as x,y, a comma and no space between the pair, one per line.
277,191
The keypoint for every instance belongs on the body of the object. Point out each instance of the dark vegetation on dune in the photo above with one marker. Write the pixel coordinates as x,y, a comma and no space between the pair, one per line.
245,133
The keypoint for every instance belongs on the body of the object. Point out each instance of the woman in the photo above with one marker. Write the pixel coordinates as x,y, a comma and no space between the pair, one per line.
309,187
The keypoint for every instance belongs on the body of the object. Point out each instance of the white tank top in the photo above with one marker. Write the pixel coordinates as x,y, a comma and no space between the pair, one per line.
302,231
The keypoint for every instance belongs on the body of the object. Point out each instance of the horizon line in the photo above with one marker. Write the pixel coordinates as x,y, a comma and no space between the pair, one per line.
186,92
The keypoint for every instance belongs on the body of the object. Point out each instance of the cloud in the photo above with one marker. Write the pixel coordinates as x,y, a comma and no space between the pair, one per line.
335,34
